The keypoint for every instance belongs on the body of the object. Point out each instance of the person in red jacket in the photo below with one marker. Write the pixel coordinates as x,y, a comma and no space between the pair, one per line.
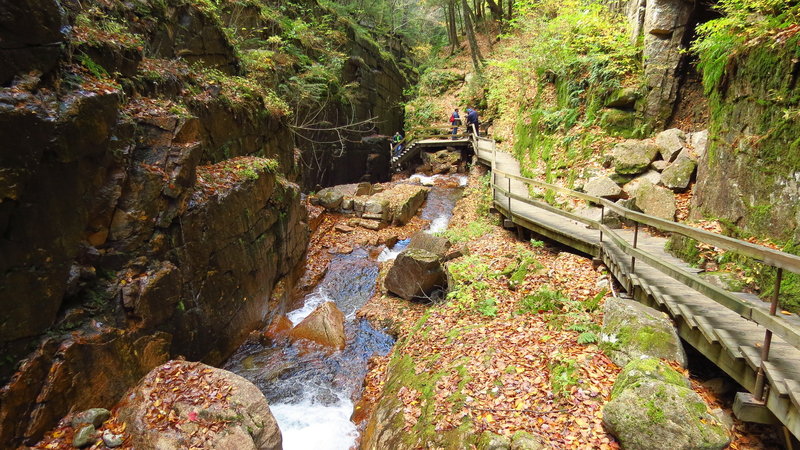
455,122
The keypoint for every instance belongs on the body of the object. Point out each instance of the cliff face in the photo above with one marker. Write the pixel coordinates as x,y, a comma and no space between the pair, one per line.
149,203
750,175
664,27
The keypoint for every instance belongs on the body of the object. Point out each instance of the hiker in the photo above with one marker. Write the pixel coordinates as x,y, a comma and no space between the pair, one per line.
397,143
472,121
455,121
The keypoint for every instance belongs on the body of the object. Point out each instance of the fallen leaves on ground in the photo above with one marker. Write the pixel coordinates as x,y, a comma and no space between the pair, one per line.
500,372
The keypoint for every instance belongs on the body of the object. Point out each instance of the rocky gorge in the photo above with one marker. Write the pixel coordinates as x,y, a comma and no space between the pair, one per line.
202,243
149,192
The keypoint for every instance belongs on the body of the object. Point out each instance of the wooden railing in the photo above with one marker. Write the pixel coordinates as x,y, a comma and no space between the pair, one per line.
485,149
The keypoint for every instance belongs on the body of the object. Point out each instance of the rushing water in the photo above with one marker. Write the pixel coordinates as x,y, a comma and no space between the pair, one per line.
311,392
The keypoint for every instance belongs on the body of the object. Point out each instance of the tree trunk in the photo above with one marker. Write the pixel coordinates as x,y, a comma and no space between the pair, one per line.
452,30
510,12
496,10
474,51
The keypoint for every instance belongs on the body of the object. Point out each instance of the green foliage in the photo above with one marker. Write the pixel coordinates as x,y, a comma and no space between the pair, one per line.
417,22
237,90
561,63
563,375
742,21
438,81
473,230
468,288
98,28
251,171
544,299
593,303
487,307
95,69
587,337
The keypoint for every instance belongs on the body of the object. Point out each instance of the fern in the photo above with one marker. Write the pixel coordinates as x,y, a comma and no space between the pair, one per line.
587,337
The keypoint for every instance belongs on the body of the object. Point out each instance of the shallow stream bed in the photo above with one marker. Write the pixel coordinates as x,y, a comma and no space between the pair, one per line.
312,391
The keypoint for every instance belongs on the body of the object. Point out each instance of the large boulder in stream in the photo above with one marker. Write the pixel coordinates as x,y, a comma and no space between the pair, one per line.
324,326
184,404
415,273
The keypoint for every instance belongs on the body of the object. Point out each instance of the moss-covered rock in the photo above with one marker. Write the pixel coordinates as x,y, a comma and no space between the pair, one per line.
653,413
633,331
618,121
491,441
633,157
656,201
753,151
678,175
522,440
639,371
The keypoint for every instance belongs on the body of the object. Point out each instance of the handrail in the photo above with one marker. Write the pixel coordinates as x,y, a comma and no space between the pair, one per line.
769,320
776,324
774,258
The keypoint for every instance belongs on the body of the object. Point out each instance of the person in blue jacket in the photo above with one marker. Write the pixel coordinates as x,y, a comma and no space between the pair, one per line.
472,121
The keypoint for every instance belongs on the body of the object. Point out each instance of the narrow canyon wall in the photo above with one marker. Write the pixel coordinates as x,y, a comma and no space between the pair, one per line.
663,27
750,175
149,196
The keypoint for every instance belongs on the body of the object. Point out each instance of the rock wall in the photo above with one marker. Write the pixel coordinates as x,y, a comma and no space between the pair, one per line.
663,26
750,175
147,209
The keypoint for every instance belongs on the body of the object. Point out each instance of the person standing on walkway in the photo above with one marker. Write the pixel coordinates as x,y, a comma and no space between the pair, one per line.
397,143
472,121
455,122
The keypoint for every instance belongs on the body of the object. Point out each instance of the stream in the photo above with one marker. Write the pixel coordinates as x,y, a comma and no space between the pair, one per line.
312,392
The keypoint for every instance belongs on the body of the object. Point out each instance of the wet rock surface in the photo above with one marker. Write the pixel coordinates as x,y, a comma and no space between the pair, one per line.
324,326
376,205
237,417
415,273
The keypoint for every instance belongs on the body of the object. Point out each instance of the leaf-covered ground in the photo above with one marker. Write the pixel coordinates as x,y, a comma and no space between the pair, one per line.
511,364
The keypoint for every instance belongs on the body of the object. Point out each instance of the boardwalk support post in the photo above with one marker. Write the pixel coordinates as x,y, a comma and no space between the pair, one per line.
773,308
509,196
635,241
602,219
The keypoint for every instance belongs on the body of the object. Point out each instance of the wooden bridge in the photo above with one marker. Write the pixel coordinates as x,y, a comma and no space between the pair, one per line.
436,141
738,332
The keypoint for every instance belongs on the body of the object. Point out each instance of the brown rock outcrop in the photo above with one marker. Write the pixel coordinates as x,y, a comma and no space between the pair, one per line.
236,418
324,326
415,273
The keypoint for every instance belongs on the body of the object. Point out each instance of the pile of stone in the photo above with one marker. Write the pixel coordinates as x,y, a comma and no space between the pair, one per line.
648,173
441,162
374,205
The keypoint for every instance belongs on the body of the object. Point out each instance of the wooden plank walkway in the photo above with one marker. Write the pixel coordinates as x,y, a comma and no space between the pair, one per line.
729,340
413,149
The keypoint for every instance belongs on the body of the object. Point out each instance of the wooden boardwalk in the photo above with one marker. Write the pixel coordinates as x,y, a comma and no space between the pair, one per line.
414,148
726,333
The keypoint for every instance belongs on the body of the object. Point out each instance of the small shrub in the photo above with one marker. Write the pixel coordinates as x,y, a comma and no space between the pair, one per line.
563,375
545,299
487,307
473,230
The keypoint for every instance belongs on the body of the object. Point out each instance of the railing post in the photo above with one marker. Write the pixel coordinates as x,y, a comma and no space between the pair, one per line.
602,219
635,241
509,196
773,309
